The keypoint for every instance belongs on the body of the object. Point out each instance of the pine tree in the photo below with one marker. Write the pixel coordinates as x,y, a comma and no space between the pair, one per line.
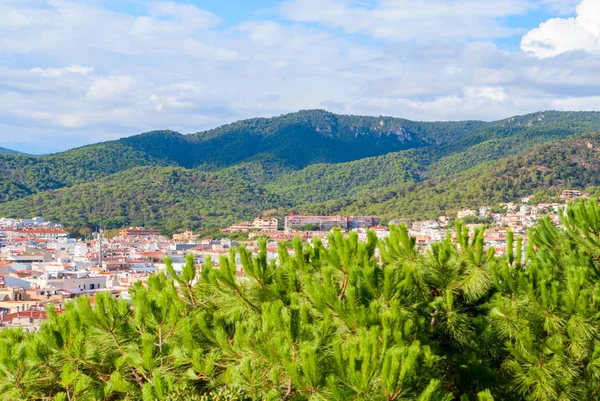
381,320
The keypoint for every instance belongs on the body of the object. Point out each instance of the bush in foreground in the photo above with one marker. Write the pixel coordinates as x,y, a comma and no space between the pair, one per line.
338,323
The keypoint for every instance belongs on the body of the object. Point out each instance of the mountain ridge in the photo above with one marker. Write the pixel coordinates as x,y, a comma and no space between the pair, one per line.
312,161
175,197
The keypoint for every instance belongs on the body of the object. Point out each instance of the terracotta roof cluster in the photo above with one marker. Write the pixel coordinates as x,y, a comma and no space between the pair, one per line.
31,314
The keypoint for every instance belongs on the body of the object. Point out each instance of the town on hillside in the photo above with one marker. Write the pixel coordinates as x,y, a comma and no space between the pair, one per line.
40,265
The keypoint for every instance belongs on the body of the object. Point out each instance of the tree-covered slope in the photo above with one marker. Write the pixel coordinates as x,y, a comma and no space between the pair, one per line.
297,162
175,198
322,182
573,163
316,136
293,140
21,175
150,196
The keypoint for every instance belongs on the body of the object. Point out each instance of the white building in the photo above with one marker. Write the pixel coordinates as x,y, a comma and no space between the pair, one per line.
70,281
466,213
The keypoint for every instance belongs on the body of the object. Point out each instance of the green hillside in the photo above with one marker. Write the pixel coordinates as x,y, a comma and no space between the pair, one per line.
546,170
297,163
315,136
294,140
322,182
36,174
150,196
175,198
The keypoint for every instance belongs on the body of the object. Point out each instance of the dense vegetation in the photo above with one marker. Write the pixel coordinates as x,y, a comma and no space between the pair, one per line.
169,197
293,140
310,162
389,186
454,322
546,170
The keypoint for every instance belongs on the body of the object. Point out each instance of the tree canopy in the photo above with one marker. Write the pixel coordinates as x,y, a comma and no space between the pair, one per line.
353,321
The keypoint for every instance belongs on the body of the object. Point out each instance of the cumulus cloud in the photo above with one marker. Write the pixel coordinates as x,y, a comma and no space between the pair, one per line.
109,88
186,13
561,35
410,20
76,72
265,33
561,6
59,72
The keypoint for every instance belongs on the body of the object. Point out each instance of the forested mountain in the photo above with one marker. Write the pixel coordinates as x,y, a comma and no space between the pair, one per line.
293,141
573,163
24,175
150,196
310,161
322,182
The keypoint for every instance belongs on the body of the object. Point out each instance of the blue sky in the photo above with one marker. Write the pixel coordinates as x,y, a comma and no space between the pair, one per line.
76,72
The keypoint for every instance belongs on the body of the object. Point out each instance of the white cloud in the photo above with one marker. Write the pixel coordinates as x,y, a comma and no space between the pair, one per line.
266,33
562,7
411,20
109,88
74,120
59,72
495,94
76,72
65,120
561,35
186,13
198,49
588,103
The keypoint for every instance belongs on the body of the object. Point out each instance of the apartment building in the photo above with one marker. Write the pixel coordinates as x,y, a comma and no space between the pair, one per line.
70,281
263,224
570,194
295,222
186,236
268,224
362,221
139,232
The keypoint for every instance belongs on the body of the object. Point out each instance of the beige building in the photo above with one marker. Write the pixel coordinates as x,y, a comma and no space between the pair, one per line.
186,236
293,222
268,224
139,232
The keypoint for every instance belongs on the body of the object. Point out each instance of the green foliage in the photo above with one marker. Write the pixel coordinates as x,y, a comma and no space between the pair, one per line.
478,220
310,227
304,162
569,164
168,197
289,141
338,323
